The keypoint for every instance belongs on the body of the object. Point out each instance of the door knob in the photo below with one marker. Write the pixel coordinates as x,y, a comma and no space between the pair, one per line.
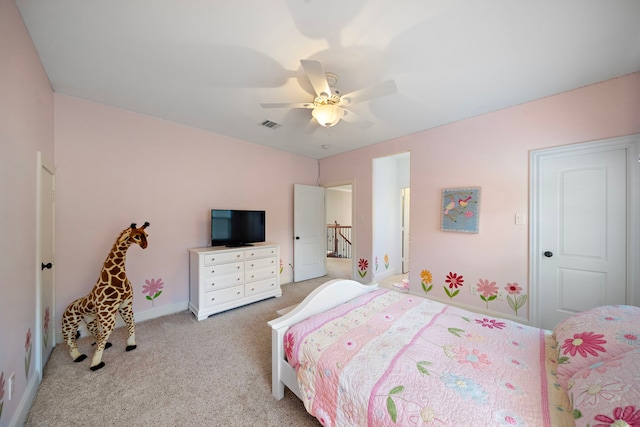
297,237
47,265
548,254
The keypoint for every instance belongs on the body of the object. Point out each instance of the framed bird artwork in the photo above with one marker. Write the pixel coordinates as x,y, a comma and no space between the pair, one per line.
460,209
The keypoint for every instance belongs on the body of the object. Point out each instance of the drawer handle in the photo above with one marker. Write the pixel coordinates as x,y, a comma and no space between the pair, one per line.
253,289
238,256
213,271
252,265
238,292
237,278
213,284
213,299
238,268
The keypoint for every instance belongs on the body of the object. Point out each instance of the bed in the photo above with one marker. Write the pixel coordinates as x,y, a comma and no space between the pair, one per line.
359,355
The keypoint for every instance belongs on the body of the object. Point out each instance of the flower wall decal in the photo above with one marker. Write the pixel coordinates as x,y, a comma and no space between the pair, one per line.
488,290
281,266
514,298
363,267
153,287
454,281
426,280
386,261
27,356
45,328
1,392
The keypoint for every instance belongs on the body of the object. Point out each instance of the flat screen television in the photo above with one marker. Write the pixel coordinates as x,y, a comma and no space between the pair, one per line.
234,228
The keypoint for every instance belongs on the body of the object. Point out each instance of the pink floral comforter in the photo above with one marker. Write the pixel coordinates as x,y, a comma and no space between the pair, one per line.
389,358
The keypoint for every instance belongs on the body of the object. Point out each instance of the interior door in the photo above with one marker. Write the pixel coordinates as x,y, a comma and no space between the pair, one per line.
45,304
406,203
309,257
582,247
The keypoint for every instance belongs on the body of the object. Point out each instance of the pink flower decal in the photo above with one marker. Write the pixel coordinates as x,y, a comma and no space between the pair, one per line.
513,288
27,342
515,300
153,287
489,290
45,328
584,344
27,357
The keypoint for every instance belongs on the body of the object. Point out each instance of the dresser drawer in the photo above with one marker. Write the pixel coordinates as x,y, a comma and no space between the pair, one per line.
260,286
260,273
213,283
254,264
223,269
224,257
260,253
212,299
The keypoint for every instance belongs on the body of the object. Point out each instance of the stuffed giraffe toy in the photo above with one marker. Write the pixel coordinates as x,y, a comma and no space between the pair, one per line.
111,294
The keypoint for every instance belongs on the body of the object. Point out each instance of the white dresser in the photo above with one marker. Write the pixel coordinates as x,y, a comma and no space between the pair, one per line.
222,278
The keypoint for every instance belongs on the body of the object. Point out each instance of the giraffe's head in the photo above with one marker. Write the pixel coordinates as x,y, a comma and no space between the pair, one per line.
135,235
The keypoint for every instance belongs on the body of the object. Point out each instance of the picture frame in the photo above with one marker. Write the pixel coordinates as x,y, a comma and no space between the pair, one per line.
460,210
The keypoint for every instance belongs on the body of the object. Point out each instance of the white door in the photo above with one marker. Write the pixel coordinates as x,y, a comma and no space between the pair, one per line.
309,257
580,256
45,304
406,202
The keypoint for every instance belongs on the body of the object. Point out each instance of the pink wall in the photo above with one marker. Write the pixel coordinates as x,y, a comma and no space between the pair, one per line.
115,167
492,152
26,127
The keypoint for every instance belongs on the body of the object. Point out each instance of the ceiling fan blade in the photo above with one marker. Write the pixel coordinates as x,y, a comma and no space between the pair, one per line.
356,120
315,73
376,91
286,105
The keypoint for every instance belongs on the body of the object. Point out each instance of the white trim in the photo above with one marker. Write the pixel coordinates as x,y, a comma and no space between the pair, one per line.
631,143
477,309
352,183
22,411
42,162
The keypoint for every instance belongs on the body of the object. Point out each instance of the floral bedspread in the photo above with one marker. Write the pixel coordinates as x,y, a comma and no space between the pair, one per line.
388,358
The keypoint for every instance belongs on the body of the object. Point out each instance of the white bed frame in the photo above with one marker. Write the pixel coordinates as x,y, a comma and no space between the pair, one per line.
324,297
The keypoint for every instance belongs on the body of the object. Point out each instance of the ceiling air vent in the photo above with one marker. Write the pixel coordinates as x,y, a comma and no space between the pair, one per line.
270,124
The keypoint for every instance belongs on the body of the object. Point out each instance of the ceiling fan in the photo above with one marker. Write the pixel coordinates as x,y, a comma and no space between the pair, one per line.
328,107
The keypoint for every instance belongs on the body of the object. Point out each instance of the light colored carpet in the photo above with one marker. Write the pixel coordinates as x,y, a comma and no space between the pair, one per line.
216,372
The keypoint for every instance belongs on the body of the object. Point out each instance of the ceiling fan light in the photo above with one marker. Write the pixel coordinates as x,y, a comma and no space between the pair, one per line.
327,115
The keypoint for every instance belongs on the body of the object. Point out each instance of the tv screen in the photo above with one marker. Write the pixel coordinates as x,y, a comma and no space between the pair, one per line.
237,227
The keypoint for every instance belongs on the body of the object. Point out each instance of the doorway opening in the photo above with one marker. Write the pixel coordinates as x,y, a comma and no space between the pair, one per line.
339,231
391,220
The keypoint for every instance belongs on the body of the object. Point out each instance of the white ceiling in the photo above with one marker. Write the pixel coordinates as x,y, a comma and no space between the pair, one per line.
209,64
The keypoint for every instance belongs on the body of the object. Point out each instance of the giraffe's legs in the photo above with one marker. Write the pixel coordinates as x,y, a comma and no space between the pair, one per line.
126,311
71,318
107,321
94,328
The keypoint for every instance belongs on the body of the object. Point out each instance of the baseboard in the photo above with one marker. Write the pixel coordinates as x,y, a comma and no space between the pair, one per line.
388,273
22,411
138,317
